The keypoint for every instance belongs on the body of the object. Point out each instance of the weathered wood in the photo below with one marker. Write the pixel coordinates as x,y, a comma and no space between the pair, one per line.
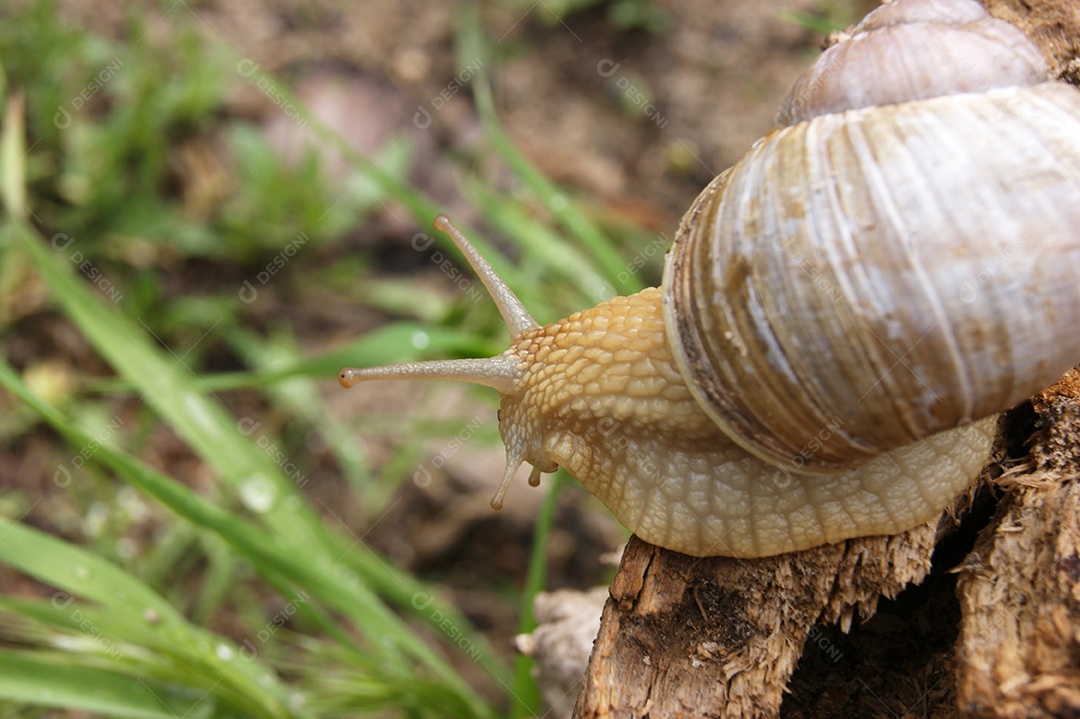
720,637
1019,649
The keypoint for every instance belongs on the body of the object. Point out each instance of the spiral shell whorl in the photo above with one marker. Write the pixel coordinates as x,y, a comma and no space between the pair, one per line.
864,279
914,50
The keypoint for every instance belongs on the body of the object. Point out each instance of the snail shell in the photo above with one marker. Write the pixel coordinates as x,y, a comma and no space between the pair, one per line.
901,257
842,315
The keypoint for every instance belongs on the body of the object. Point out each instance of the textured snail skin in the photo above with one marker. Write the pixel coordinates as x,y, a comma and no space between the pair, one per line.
600,394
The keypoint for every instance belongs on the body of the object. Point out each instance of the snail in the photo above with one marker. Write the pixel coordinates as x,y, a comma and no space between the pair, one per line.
843,315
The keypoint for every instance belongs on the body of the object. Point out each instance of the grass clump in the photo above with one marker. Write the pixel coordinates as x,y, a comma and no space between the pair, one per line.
124,164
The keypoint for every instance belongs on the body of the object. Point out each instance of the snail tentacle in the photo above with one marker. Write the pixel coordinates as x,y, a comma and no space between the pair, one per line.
496,372
503,372
517,318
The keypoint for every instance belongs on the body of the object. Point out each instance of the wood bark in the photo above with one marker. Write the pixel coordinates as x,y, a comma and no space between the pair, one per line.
1000,637
719,637
1019,649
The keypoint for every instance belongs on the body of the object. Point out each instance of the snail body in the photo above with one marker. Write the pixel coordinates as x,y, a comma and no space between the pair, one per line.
843,314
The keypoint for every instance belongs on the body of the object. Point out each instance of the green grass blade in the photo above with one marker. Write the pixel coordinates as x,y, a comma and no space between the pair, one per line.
173,390
555,200
176,395
547,248
471,43
80,573
339,588
12,158
44,680
526,694
299,397
57,563
423,208
396,342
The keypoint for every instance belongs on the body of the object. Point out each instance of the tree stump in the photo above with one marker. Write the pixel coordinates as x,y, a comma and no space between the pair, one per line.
683,636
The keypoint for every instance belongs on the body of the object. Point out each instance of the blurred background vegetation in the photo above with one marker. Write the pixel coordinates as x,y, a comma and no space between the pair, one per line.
208,210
